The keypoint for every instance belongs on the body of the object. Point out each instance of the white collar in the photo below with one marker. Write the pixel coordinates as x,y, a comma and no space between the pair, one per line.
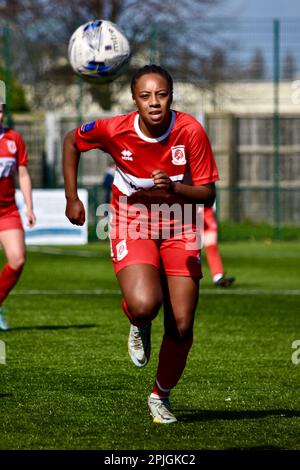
157,139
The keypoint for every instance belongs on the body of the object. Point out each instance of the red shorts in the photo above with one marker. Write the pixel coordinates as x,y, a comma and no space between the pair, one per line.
11,220
171,255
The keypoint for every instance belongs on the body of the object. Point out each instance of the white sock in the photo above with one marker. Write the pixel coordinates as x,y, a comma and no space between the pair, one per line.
217,277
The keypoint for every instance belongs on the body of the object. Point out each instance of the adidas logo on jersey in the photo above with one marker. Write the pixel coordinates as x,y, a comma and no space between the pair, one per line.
127,155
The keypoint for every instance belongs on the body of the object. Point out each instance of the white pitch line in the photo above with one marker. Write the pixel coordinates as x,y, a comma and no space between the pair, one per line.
97,254
117,292
61,252
67,292
250,292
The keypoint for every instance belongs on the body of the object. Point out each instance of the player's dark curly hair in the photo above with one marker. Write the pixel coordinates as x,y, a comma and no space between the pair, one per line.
152,68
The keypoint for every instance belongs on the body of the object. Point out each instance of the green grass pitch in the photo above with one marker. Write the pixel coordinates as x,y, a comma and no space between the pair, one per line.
68,382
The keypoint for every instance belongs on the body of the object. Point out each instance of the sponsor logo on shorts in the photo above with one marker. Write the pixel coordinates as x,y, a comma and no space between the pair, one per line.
87,127
121,249
178,155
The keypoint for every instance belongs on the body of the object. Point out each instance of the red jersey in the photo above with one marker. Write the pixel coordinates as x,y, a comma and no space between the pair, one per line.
183,152
12,155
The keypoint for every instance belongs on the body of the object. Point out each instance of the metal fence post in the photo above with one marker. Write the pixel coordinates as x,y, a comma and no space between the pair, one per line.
154,53
79,121
7,73
276,128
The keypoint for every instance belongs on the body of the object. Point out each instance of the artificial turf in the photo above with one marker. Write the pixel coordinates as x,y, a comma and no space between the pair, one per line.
68,382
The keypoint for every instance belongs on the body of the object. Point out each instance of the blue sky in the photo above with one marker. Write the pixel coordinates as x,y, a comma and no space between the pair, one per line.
262,8
250,22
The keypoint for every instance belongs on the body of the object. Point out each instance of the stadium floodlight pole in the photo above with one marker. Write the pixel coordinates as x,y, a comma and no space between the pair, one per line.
276,128
7,73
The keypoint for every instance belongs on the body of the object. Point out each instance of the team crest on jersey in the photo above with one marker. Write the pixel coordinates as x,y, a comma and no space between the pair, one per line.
11,145
178,155
121,249
87,127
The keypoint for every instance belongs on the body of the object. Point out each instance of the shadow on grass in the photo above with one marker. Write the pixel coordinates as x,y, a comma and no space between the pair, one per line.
52,327
211,415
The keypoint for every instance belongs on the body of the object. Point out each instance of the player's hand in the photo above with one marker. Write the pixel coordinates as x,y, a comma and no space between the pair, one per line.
162,180
31,218
75,212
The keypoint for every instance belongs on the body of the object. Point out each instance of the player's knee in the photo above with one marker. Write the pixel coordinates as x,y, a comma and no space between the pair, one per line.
17,261
144,309
183,330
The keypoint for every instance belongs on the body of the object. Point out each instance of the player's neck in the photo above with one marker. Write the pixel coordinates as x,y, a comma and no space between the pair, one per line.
155,131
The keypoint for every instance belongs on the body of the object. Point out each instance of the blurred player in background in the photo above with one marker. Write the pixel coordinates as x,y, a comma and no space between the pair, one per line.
161,156
107,182
13,157
213,256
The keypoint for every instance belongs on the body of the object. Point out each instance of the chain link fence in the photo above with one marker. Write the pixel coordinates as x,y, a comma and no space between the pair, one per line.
240,78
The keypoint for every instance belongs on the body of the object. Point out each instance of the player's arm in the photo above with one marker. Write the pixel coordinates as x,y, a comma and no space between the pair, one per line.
25,186
201,194
71,156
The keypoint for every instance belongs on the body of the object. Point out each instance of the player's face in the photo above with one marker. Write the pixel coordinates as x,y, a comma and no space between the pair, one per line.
153,99
1,114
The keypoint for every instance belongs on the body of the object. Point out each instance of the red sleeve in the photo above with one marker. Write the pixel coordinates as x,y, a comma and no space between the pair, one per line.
92,135
201,159
21,151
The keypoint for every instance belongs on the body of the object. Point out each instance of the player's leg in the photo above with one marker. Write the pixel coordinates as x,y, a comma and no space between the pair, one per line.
140,285
142,298
213,256
180,301
136,263
181,290
13,245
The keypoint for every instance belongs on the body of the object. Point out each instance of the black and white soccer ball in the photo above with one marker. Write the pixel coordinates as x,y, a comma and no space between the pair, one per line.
99,51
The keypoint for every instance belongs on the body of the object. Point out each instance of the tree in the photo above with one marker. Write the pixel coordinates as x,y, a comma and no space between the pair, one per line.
289,66
257,67
42,30
18,99
214,67
214,71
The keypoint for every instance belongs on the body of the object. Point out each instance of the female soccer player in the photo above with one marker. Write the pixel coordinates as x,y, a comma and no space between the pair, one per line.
13,157
163,157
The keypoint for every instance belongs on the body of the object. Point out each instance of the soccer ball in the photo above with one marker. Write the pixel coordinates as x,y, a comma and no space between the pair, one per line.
99,51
